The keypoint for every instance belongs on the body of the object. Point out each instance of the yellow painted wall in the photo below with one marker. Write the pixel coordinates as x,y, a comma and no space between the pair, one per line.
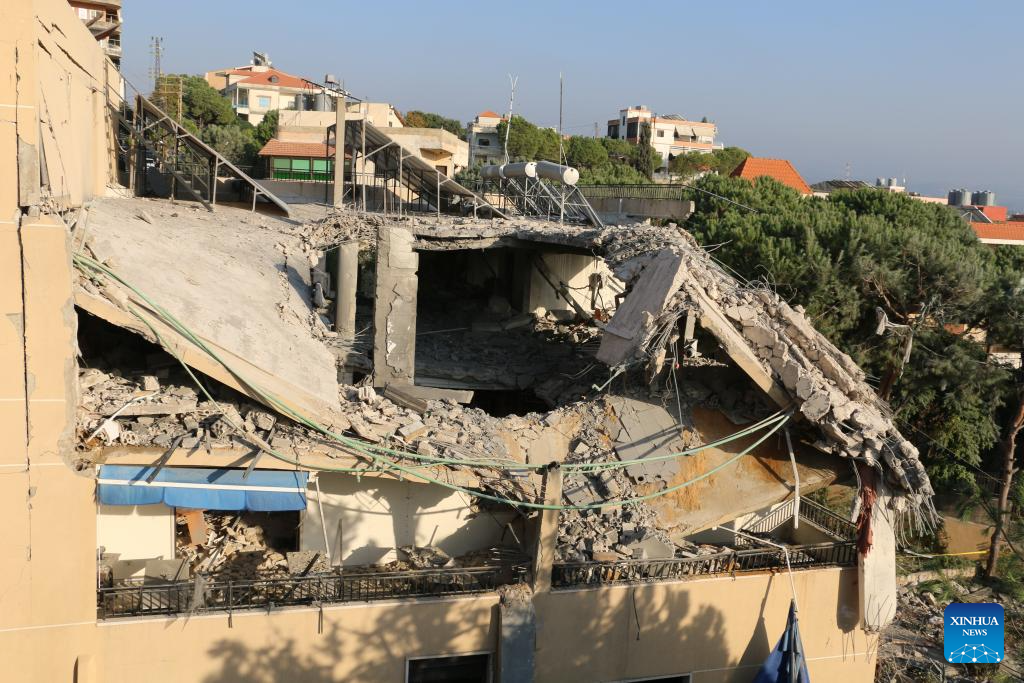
718,630
357,643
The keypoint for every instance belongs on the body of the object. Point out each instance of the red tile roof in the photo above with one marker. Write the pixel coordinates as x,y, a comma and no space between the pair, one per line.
779,169
283,80
1010,231
996,213
313,150
488,115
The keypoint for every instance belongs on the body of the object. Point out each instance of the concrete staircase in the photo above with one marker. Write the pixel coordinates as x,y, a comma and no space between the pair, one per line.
821,518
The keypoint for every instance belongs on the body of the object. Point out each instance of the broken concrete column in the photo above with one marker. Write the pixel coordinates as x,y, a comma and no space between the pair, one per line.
547,531
877,567
394,314
345,290
518,635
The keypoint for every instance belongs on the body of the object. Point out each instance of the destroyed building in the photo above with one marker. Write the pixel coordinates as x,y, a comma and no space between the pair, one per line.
323,443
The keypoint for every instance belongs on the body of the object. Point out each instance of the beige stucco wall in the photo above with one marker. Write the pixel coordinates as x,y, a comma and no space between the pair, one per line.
54,81
357,642
438,147
132,534
368,519
717,630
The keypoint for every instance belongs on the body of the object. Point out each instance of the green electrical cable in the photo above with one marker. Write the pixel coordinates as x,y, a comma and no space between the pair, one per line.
369,451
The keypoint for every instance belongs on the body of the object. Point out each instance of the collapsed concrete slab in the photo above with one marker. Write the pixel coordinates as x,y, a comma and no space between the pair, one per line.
775,345
239,286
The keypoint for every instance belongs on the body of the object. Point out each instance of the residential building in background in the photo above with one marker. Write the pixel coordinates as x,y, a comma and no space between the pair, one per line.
779,169
302,151
103,18
484,143
671,134
259,88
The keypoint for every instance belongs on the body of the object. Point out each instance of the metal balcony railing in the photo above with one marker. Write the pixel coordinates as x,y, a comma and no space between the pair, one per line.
816,515
198,595
576,574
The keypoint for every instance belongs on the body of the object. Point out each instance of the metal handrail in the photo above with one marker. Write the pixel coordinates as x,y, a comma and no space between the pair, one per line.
817,515
575,574
208,594
826,520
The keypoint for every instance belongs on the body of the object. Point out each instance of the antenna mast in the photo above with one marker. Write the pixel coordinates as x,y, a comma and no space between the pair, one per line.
156,49
511,98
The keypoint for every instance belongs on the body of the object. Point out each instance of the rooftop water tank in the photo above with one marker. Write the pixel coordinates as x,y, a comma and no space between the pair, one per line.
983,198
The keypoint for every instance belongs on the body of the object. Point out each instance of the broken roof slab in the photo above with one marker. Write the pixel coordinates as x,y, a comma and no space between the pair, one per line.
239,281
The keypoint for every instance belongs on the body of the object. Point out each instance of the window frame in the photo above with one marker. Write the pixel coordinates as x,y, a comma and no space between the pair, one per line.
489,653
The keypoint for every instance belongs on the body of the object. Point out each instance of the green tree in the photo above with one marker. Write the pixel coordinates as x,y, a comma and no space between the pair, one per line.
267,128
527,142
237,144
846,257
645,158
721,161
423,119
583,152
205,106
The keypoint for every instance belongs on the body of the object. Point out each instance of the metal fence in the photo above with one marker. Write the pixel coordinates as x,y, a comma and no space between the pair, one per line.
210,594
577,574
645,191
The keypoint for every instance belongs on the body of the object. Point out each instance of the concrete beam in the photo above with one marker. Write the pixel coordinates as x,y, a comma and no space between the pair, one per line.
238,457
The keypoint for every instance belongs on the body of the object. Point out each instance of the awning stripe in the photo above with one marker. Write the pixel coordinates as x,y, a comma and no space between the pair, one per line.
175,484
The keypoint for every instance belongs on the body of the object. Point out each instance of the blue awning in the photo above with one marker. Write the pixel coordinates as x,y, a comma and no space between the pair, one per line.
203,488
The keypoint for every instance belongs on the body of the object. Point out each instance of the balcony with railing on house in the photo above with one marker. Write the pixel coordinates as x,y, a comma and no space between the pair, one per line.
139,597
583,574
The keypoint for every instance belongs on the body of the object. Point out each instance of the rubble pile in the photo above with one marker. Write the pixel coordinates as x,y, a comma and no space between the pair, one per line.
541,354
143,410
913,641
230,545
823,382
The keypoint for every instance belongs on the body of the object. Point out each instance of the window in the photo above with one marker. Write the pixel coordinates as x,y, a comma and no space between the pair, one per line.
291,168
263,102
464,669
484,142
243,97
661,133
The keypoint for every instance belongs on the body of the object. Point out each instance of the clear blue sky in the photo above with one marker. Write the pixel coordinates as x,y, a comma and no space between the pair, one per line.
927,90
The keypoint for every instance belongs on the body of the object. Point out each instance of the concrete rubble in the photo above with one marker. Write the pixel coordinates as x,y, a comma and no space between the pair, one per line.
778,342
669,278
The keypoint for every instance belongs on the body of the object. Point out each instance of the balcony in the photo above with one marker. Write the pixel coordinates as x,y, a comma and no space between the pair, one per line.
581,574
212,594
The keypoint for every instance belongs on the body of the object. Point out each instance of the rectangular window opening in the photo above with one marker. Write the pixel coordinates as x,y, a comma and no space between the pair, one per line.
458,669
